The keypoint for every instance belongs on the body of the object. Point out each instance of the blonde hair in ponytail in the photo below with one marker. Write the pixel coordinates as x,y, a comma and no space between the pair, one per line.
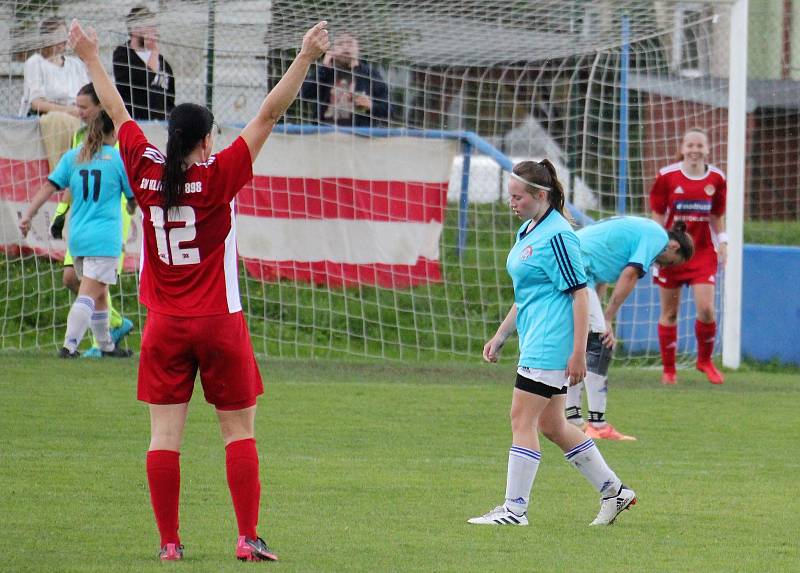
96,129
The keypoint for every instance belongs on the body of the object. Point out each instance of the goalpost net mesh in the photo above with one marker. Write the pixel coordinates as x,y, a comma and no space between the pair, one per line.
364,244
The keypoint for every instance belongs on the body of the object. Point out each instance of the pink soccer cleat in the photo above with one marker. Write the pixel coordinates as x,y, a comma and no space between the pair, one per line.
669,378
607,432
171,552
253,550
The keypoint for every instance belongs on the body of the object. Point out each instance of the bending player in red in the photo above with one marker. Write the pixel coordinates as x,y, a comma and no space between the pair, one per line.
692,191
189,284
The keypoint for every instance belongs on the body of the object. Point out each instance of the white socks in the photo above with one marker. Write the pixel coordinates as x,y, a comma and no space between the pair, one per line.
78,320
102,335
588,460
522,466
596,396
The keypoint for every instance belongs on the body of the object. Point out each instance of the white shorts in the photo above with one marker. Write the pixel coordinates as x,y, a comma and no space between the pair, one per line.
597,321
101,269
555,378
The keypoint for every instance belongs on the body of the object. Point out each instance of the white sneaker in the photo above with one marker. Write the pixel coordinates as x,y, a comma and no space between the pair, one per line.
611,507
500,516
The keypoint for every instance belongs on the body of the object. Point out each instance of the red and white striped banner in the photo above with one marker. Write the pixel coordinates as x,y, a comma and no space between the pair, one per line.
335,208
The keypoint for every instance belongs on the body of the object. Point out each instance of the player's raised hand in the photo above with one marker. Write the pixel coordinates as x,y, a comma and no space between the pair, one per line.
83,42
315,41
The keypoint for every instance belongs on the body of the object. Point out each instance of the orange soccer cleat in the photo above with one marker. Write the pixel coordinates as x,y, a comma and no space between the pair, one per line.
714,376
607,432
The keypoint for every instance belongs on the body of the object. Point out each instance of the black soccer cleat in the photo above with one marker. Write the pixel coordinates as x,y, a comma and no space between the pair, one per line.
64,353
118,353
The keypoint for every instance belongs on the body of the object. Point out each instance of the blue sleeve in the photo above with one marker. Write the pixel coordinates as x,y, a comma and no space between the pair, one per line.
63,171
123,177
563,262
646,251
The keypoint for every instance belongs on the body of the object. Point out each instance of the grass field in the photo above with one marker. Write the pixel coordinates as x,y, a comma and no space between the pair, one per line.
376,466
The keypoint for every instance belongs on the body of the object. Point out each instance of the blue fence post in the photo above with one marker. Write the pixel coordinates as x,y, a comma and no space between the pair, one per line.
463,202
622,187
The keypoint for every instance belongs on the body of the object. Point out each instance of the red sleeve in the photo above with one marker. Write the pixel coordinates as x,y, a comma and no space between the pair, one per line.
137,153
232,169
659,195
720,198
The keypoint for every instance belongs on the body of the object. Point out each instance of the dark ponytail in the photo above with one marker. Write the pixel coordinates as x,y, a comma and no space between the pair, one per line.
686,244
97,128
544,174
187,125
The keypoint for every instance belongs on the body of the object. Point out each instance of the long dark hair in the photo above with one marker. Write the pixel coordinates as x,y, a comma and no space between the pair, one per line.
544,173
187,125
684,239
96,128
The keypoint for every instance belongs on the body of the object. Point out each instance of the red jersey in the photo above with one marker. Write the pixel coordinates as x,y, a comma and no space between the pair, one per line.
188,263
690,199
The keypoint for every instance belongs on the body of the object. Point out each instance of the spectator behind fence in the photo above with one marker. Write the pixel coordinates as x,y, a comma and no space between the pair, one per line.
143,76
345,90
51,81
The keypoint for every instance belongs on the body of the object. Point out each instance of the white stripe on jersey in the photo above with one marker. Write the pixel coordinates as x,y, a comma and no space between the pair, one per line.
231,268
154,155
670,168
208,162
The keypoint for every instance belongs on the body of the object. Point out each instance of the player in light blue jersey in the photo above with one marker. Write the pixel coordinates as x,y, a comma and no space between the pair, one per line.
551,316
616,250
96,177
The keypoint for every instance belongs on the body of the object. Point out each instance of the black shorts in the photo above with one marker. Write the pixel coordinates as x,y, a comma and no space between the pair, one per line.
538,388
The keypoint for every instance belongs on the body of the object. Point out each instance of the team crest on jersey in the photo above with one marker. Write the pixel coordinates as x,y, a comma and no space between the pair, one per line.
709,189
679,190
526,252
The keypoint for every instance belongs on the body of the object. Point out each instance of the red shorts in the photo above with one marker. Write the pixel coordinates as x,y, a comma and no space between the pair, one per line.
174,348
701,269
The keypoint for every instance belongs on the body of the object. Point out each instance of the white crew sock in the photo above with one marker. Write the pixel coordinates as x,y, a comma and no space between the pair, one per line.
522,466
102,335
588,460
78,320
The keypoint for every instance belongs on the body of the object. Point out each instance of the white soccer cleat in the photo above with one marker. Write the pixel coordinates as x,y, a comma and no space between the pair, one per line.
500,516
611,507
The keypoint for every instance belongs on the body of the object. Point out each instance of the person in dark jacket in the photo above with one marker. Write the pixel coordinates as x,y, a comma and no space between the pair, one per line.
143,76
345,90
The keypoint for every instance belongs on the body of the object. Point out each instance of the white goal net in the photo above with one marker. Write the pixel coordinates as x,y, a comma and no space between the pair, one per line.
387,236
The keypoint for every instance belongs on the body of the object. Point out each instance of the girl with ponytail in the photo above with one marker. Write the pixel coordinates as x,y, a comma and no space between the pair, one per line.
189,284
551,317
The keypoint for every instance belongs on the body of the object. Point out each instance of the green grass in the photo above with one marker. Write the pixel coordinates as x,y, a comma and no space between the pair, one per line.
772,232
376,466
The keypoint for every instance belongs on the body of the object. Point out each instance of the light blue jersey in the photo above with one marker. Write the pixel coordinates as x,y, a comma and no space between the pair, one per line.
610,245
95,225
545,266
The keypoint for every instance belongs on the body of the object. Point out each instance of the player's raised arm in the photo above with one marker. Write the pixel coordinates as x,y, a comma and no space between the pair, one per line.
85,45
256,132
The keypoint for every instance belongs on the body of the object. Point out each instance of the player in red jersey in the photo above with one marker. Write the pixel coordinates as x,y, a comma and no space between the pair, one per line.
189,284
694,192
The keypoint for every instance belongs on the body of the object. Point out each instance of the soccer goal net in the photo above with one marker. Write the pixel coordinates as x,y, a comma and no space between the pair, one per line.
386,236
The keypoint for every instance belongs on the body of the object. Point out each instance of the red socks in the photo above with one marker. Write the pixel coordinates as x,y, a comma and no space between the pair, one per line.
164,477
668,341
241,463
706,333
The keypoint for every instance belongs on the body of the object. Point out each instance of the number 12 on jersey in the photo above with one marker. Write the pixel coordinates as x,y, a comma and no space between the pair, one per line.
168,241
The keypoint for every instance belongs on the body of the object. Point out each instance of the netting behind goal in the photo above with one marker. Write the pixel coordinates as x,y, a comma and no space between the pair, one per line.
390,241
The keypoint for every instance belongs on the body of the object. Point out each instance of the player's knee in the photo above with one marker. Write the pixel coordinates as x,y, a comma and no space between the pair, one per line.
551,428
705,314
521,421
70,280
668,317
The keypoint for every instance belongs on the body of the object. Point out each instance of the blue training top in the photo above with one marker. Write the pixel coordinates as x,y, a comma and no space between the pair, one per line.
545,266
95,225
610,245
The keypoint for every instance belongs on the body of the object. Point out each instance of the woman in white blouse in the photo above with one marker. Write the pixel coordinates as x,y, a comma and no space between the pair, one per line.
52,79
